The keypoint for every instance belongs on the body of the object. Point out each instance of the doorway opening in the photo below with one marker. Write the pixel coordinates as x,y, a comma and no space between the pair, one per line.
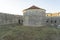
20,22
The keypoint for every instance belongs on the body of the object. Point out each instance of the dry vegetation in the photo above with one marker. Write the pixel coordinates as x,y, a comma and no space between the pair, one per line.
29,33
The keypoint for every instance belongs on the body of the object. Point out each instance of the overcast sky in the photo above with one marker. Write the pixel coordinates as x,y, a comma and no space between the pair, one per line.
16,6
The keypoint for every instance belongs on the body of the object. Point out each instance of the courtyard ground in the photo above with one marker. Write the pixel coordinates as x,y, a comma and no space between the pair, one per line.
18,32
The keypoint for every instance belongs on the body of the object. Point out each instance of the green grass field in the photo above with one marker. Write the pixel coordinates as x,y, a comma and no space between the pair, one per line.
17,32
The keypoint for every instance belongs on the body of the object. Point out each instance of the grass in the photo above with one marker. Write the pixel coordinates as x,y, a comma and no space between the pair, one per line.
29,33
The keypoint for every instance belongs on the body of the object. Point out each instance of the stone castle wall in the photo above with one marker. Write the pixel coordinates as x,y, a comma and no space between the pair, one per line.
53,21
29,19
34,17
9,18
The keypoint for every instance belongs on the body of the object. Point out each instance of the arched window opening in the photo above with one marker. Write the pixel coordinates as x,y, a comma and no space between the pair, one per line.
55,21
20,22
47,21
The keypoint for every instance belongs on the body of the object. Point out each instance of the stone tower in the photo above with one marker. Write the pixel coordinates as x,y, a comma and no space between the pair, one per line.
34,16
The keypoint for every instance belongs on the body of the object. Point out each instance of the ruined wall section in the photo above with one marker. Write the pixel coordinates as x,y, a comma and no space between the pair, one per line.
8,18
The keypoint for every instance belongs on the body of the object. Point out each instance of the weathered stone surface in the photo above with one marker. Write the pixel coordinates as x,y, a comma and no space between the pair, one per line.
9,18
34,17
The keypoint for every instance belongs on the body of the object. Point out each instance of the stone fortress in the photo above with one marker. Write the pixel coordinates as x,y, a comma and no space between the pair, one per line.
35,16
9,19
32,16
